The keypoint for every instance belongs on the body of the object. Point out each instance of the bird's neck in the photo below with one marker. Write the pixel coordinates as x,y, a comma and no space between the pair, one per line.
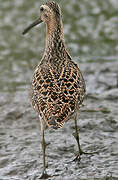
54,38
54,25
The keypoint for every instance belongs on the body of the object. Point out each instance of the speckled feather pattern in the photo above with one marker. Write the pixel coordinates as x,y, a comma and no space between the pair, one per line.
58,87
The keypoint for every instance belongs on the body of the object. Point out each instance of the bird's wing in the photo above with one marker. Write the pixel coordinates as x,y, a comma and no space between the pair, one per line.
55,95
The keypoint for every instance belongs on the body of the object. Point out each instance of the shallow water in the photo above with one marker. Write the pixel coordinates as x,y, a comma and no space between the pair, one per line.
91,36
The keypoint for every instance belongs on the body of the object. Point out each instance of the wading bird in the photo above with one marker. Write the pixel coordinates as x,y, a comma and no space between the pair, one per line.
58,87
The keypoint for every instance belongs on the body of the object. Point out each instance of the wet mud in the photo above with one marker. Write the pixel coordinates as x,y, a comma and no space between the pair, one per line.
91,35
20,147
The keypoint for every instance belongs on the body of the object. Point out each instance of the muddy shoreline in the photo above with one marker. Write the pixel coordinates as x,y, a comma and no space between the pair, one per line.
20,149
91,33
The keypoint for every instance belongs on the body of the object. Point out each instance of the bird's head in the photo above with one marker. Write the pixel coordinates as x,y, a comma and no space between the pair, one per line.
50,13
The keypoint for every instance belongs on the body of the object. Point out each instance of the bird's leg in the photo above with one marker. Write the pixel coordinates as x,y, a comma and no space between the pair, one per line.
76,135
44,173
43,148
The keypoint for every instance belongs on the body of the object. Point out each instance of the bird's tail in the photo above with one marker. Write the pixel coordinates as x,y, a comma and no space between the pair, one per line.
53,122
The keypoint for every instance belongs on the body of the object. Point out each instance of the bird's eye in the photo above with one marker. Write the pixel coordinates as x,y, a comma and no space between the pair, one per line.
41,9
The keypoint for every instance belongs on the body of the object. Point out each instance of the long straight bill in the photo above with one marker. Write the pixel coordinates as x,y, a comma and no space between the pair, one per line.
38,21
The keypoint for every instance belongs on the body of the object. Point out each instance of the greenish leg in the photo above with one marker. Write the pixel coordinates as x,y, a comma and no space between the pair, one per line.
76,135
44,173
44,149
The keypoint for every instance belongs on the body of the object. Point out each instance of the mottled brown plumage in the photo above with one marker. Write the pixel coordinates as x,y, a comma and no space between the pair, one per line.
58,87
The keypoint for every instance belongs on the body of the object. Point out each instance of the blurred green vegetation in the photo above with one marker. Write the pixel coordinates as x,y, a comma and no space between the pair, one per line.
90,32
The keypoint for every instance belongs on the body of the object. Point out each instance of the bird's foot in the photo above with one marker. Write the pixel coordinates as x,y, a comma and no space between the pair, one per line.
44,175
78,157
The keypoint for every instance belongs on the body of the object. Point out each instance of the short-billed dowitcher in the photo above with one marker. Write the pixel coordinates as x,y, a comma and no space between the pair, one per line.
58,87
